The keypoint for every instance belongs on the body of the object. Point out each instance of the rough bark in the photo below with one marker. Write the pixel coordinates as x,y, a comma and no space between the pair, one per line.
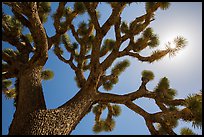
63,120
30,98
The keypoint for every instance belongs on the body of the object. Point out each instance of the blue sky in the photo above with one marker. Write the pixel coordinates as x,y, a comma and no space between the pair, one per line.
184,70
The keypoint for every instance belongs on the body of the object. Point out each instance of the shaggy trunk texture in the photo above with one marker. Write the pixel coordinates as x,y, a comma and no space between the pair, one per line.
29,98
63,120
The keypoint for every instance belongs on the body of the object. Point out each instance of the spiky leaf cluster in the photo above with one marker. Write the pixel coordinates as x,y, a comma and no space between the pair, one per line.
108,45
116,71
120,67
47,74
6,83
65,39
164,5
180,42
148,33
29,37
14,26
172,108
124,27
67,12
82,29
98,127
114,80
79,7
163,84
171,121
74,46
194,104
163,89
171,93
186,131
105,124
58,50
5,86
116,110
44,9
10,94
109,125
98,108
11,52
154,41
147,74
148,38
107,85
149,5
187,114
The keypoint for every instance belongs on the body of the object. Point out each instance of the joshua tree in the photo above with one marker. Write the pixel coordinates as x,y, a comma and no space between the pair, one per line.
26,61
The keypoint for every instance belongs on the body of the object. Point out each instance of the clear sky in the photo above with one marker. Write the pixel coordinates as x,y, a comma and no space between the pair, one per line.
184,70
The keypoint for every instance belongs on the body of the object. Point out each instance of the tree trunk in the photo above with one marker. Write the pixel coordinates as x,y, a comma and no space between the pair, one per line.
32,117
29,98
63,120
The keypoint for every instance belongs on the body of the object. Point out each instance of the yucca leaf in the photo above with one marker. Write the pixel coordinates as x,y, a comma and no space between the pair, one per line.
29,37
98,126
6,83
154,41
116,110
164,5
148,33
109,125
47,74
108,85
186,131
79,7
65,39
148,74
124,27
11,93
120,67
114,80
163,83
149,5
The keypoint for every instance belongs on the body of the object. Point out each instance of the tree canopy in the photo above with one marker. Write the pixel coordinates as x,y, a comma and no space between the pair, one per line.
91,53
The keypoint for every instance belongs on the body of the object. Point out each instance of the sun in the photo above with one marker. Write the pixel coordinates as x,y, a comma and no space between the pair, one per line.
168,39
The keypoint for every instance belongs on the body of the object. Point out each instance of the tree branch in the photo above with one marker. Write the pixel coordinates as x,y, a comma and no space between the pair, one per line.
151,127
155,56
39,37
142,22
122,99
137,109
8,75
113,18
17,6
7,58
21,18
92,13
57,52
58,15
